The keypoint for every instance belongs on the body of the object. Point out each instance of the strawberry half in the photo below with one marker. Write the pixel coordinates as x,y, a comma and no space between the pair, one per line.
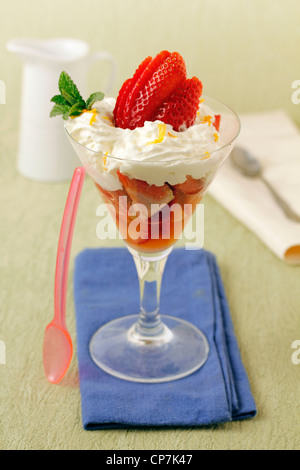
180,109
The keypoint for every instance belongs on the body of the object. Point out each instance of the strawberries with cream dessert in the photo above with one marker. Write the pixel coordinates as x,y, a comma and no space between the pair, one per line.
157,144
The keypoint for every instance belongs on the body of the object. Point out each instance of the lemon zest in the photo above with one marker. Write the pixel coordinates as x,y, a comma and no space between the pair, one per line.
171,135
93,118
161,134
108,119
207,119
206,156
104,158
216,136
92,111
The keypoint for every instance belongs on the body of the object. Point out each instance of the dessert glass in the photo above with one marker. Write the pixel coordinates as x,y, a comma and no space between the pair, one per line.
150,347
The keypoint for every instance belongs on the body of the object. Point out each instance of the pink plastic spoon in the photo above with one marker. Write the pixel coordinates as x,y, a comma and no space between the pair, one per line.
58,348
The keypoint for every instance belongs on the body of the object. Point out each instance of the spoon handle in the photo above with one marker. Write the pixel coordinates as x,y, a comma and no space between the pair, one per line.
283,204
64,246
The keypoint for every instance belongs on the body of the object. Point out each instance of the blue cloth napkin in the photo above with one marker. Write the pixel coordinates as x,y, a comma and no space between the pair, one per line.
106,287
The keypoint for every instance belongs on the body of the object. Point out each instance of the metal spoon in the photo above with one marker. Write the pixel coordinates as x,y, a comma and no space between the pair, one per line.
248,165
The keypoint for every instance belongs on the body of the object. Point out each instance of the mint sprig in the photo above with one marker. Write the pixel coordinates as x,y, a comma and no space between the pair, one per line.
70,102
98,96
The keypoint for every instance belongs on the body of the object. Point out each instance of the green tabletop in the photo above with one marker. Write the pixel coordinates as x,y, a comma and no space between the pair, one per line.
263,295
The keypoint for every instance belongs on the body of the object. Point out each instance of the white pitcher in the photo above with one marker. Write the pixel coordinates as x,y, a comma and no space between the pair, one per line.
44,151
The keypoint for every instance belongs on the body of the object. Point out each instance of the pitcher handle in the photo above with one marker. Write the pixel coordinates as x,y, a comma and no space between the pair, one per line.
103,55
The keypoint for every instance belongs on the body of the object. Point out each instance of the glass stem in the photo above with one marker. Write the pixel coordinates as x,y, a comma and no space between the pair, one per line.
150,271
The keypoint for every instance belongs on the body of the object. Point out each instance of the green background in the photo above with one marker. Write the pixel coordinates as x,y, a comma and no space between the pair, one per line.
246,52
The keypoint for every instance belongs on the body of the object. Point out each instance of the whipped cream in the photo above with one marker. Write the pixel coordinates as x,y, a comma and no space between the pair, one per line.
154,153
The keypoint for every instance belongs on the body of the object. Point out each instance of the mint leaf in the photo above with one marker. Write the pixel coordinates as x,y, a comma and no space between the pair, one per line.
66,115
69,90
59,109
58,99
76,109
98,96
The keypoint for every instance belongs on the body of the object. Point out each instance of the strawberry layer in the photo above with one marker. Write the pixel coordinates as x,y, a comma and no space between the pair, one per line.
151,218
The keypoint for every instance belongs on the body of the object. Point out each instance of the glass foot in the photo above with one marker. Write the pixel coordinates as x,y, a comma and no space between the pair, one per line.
178,349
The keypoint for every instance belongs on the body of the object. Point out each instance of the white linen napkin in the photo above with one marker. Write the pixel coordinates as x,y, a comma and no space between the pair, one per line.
274,140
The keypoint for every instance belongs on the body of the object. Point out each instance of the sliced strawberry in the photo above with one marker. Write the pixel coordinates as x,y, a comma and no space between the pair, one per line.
189,192
217,122
142,193
182,199
112,197
190,186
126,92
144,233
124,115
158,80
180,109
128,85
161,225
168,76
